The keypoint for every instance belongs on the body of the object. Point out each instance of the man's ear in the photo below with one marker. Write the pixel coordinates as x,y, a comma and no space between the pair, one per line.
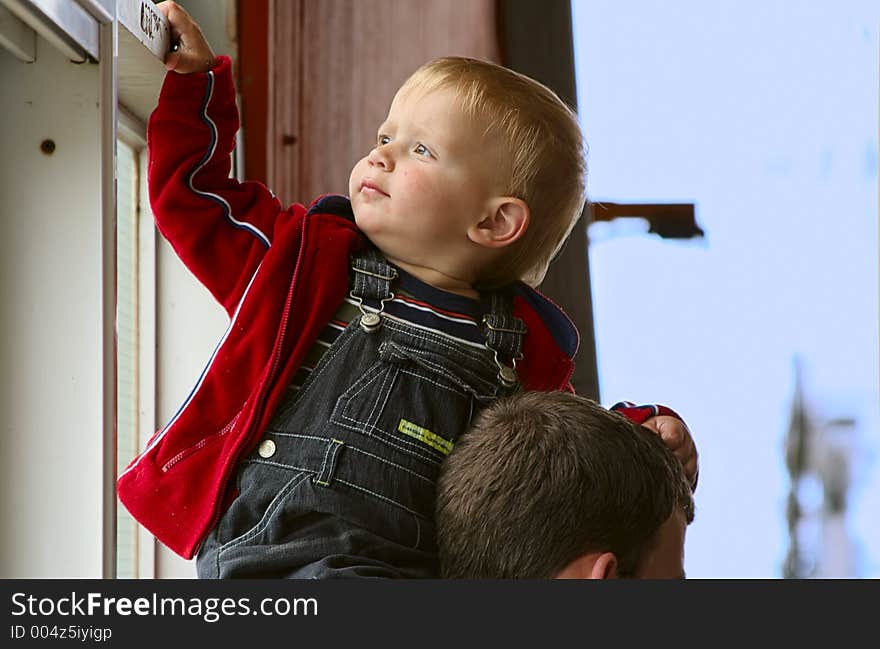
605,566
592,565
508,220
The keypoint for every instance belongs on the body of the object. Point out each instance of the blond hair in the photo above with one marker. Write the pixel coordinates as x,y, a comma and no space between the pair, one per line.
544,154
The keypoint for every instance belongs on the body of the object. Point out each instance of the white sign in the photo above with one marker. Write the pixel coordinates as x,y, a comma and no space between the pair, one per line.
147,24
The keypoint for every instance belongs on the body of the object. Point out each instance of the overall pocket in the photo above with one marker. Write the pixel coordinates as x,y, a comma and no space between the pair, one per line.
412,400
251,517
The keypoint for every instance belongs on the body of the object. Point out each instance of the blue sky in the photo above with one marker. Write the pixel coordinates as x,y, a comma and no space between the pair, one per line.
765,115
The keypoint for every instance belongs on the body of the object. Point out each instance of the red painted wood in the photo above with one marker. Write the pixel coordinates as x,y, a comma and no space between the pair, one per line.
333,67
253,85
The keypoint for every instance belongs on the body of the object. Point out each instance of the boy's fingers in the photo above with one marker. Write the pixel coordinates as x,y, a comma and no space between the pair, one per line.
173,12
680,442
686,446
180,23
674,438
688,453
671,431
677,439
189,51
172,60
175,16
690,470
690,460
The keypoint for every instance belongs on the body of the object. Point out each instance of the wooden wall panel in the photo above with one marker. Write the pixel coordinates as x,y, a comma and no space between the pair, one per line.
283,135
253,84
337,65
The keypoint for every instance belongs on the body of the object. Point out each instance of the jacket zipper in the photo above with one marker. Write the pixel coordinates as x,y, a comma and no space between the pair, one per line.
276,357
285,316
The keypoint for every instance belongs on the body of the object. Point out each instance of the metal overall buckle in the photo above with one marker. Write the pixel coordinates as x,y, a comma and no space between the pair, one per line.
372,320
506,374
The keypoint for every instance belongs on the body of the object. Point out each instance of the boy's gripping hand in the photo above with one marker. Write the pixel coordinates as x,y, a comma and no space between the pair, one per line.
675,434
190,52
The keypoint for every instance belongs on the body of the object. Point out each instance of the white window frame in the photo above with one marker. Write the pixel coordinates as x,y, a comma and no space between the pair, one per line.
134,133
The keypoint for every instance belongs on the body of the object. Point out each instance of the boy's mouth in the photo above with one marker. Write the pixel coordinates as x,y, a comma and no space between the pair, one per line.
369,187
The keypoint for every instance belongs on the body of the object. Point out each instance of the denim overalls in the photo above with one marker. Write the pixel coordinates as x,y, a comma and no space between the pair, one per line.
342,483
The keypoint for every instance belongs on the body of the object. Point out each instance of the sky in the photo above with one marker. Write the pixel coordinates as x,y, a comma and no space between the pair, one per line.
764,114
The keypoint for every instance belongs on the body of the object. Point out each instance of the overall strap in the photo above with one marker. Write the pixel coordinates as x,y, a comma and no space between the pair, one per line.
504,334
372,276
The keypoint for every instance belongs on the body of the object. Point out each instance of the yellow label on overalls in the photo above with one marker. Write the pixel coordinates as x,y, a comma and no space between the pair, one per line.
424,435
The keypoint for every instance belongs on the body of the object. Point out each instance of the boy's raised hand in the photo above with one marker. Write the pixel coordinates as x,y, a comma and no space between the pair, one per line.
190,51
677,437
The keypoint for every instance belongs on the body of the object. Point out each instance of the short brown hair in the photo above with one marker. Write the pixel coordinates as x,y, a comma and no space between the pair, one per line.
541,479
543,146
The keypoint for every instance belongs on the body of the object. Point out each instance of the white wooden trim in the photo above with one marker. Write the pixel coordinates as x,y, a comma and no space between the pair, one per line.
63,23
146,23
52,333
17,37
144,39
146,544
131,129
104,11
107,68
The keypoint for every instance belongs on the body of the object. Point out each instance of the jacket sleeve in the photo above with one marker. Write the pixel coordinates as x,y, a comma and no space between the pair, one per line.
641,414
219,227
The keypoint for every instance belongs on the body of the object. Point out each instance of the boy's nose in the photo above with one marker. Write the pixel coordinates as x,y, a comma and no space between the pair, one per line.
381,157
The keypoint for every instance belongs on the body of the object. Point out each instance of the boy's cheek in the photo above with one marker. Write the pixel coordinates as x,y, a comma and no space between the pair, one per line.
355,176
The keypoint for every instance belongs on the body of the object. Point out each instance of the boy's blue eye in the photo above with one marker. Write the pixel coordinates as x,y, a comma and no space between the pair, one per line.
421,149
382,139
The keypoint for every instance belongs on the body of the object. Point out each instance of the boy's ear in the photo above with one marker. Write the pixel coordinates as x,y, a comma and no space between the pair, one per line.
508,220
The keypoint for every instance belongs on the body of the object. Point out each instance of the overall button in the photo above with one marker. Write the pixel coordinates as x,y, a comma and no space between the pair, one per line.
266,448
507,375
370,322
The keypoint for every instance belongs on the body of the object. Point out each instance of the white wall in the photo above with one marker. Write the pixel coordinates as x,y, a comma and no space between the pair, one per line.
189,321
189,325
50,318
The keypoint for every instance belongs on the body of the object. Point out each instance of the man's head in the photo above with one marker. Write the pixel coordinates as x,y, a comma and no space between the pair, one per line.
552,485
477,170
